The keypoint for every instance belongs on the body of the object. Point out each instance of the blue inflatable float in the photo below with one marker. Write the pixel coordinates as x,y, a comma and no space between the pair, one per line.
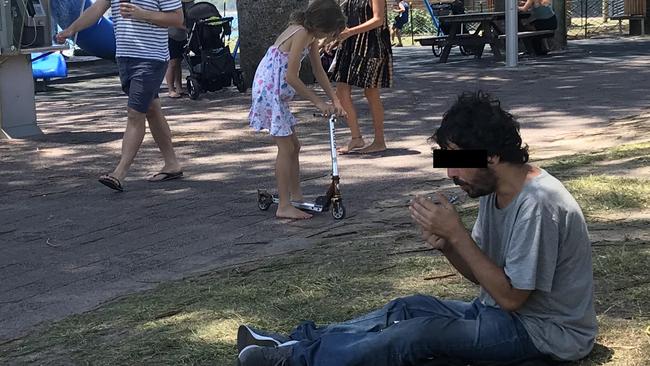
48,65
98,40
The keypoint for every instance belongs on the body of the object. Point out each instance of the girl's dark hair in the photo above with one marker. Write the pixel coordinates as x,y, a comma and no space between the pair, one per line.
477,121
321,17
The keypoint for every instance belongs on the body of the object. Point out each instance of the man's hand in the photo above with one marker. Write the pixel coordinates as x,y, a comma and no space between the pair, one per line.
440,219
63,35
435,241
131,11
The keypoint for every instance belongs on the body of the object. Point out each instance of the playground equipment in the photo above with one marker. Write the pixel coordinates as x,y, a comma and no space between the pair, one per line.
28,27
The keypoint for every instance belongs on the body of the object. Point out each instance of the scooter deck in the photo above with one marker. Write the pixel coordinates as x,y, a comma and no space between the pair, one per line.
303,205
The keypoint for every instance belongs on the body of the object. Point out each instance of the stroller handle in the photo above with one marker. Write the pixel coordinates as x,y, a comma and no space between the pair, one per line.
220,21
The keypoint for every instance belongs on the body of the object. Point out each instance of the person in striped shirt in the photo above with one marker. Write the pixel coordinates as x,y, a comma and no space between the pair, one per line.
142,54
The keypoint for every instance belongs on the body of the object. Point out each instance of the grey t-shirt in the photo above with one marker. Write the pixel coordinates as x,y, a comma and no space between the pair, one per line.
541,241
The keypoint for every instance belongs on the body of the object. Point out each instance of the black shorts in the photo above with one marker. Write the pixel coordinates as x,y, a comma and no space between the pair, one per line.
176,49
141,79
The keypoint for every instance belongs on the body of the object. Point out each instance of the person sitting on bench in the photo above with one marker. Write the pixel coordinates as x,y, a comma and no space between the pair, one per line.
542,17
529,252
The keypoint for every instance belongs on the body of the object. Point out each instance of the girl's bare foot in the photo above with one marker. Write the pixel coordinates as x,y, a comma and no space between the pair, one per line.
291,212
373,148
355,143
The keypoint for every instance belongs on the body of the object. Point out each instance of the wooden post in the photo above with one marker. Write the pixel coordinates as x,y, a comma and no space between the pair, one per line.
560,39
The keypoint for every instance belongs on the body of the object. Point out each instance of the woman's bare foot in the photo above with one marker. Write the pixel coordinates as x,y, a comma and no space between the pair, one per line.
291,212
373,148
174,94
355,143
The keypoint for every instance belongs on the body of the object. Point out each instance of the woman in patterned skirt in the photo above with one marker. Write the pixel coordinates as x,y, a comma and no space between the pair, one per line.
364,60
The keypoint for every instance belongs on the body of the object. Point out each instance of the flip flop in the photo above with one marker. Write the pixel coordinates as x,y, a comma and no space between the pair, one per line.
111,182
165,176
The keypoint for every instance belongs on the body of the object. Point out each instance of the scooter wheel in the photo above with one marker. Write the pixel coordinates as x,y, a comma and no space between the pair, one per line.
264,201
338,211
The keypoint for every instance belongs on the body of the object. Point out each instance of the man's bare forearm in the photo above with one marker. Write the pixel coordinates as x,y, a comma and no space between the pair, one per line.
167,19
90,16
459,263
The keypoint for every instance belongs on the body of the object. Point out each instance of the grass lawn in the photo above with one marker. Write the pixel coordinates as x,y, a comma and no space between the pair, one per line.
194,321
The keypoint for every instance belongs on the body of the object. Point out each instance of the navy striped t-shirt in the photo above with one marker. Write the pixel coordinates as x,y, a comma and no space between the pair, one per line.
140,39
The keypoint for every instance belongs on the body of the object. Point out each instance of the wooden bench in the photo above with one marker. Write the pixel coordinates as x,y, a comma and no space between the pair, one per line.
632,18
528,34
432,41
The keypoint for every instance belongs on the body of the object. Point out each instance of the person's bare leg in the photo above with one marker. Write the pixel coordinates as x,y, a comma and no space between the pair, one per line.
133,136
163,136
172,79
344,93
179,77
294,188
377,113
283,164
398,32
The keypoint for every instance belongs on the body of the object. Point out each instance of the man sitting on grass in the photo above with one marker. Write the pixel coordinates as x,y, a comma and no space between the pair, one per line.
529,251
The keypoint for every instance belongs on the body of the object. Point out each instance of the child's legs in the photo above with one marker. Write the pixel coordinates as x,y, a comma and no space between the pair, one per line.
294,187
286,158
283,165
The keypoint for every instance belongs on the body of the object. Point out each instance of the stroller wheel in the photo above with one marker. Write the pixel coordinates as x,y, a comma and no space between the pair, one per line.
193,88
437,50
238,80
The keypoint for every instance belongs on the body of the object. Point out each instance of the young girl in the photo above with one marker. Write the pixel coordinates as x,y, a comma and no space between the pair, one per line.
276,82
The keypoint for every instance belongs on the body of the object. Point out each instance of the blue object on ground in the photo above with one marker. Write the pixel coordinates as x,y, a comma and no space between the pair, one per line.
46,66
98,40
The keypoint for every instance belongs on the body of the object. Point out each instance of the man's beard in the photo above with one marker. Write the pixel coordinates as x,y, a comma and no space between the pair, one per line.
486,184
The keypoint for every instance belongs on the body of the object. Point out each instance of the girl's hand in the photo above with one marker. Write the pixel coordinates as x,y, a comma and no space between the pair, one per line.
325,109
338,109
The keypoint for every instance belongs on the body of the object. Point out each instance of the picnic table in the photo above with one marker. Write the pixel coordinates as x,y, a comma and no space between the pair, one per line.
489,31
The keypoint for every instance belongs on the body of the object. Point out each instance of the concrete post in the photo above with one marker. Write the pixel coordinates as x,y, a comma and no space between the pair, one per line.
17,105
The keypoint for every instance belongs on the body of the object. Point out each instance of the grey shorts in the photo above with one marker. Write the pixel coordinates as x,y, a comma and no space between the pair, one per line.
141,79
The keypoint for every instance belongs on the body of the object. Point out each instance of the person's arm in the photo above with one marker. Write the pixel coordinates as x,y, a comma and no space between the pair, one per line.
527,5
442,220
490,276
377,20
89,17
299,41
167,19
321,77
437,242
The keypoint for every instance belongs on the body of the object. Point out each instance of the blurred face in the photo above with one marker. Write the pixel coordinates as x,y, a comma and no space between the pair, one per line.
476,182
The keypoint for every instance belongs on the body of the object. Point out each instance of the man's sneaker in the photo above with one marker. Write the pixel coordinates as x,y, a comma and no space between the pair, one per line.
247,336
264,356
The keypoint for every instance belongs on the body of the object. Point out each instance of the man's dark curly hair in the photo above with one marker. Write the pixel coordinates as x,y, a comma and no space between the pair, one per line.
476,121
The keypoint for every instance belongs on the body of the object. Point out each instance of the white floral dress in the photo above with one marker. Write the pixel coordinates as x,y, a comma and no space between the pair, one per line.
271,93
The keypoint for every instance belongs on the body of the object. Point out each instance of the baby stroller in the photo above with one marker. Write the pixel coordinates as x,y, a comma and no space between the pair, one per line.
211,65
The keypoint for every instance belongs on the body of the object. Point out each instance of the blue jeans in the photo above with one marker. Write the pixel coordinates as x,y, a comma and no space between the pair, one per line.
412,330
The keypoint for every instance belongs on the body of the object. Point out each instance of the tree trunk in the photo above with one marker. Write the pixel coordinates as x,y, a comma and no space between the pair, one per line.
260,23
